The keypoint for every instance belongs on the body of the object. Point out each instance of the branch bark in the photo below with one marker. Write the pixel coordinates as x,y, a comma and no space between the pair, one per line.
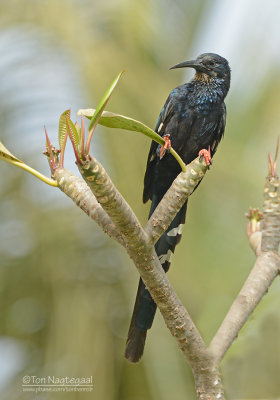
256,286
175,197
111,200
271,213
80,193
264,272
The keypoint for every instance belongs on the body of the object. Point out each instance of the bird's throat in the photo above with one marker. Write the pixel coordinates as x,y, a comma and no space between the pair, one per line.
202,77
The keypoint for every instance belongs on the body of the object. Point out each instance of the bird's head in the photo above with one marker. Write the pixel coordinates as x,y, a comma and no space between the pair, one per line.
208,66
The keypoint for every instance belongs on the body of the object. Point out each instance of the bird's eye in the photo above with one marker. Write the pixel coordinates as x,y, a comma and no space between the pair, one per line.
211,63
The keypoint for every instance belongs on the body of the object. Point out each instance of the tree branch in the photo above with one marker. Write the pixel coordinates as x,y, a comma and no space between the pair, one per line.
79,192
266,269
256,286
111,200
143,254
179,322
175,197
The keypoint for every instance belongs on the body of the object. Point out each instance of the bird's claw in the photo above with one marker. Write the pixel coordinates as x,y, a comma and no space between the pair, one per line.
165,147
206,154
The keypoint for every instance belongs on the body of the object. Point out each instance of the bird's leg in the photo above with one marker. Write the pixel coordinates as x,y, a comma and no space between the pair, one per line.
166,146
206,154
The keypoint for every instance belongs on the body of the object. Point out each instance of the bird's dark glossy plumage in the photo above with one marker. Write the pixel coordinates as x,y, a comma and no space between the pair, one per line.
194,116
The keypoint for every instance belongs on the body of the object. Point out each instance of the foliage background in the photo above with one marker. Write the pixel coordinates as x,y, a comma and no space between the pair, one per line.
66,290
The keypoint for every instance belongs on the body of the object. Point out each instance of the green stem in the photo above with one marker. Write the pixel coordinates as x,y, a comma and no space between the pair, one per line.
179,159
32,171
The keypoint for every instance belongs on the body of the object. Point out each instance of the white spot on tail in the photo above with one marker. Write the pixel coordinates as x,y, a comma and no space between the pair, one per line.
165,257
176,231
160,127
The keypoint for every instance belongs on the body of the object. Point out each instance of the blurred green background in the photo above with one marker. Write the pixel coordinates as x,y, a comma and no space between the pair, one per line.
67,291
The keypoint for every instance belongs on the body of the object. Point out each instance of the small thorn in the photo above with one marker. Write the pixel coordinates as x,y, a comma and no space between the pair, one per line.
271,166
276,155
51,156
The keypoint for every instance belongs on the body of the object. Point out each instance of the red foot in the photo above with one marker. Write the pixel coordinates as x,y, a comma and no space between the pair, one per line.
166,146
206,154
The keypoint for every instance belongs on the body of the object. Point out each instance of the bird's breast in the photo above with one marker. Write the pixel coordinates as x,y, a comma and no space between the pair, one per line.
205,95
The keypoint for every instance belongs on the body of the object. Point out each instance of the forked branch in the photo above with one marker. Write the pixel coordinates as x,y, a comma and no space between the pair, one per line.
98,197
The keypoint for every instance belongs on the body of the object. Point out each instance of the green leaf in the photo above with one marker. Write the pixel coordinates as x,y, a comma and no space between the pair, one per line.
112,120
6,155
103,102
73,131
62,128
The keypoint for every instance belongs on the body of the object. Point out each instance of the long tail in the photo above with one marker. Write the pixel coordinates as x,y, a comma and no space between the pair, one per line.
145,307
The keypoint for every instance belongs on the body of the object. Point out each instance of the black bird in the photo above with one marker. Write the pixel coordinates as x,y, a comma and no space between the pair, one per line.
193,118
